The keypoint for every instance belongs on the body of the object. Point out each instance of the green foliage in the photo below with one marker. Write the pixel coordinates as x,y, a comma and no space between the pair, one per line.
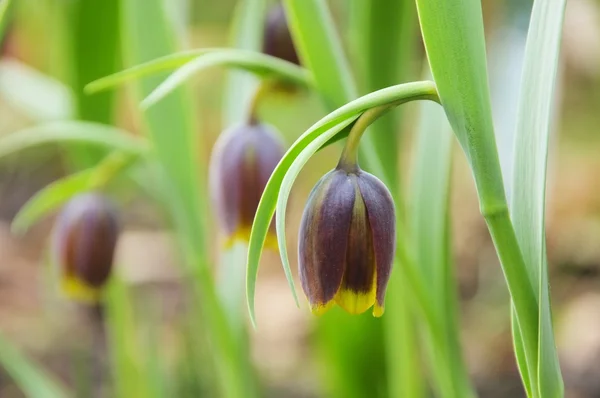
59,192
5,6
430,233
529,179
459,68
34,382
73,132
195,61
246,34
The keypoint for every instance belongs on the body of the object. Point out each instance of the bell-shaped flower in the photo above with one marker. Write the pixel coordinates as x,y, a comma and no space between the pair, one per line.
83,244
347,242
242,161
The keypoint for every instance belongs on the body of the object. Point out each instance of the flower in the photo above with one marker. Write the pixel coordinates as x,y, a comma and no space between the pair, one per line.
277,40
242,162
84,239
347,242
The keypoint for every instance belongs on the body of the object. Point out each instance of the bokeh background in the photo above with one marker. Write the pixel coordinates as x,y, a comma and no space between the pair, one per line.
290,347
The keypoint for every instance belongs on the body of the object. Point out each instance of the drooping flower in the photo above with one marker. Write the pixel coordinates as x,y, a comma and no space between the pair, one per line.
277,40
243,159
83,245
347,242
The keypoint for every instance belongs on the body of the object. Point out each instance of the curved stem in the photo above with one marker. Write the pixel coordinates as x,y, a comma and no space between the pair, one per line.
259,94
349,158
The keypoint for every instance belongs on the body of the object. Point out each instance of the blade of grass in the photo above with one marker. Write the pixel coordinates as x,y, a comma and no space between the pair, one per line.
29,376
260,64
5,6
54,195
123,342
529,177
145,69
247,34
172,129
95,37
39,96
73,132
320,50
431,238
385,37
458,64
385,33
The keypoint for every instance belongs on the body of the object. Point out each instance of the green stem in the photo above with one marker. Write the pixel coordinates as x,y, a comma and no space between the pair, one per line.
259,94
349,158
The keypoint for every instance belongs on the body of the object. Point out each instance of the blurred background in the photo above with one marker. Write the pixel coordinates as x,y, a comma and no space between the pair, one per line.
40,81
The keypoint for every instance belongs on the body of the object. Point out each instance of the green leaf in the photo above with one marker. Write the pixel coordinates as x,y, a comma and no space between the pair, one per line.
266,209
54,195
171,125
320,50
385,38
149,68
73,132
246,34
529,177
259,64
124,348
40,97
95,43
455,43
4,11
29,376
50,198
430,234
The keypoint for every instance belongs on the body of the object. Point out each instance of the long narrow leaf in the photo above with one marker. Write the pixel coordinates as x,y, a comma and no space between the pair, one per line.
247,34
74,132
529,177
54,195
454,40
259,64
321,51
149,68
431,236
172,128
32,380
4,11
95,42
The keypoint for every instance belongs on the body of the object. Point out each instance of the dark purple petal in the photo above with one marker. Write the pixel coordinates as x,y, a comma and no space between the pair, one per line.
323,238
381,215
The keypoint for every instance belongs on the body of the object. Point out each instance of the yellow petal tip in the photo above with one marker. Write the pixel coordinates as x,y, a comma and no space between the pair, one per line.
321,308
78,290
378,310
242,235
355,302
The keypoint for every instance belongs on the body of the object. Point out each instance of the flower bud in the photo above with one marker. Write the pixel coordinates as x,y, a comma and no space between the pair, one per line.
347,242
83,245
277,40
243,159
